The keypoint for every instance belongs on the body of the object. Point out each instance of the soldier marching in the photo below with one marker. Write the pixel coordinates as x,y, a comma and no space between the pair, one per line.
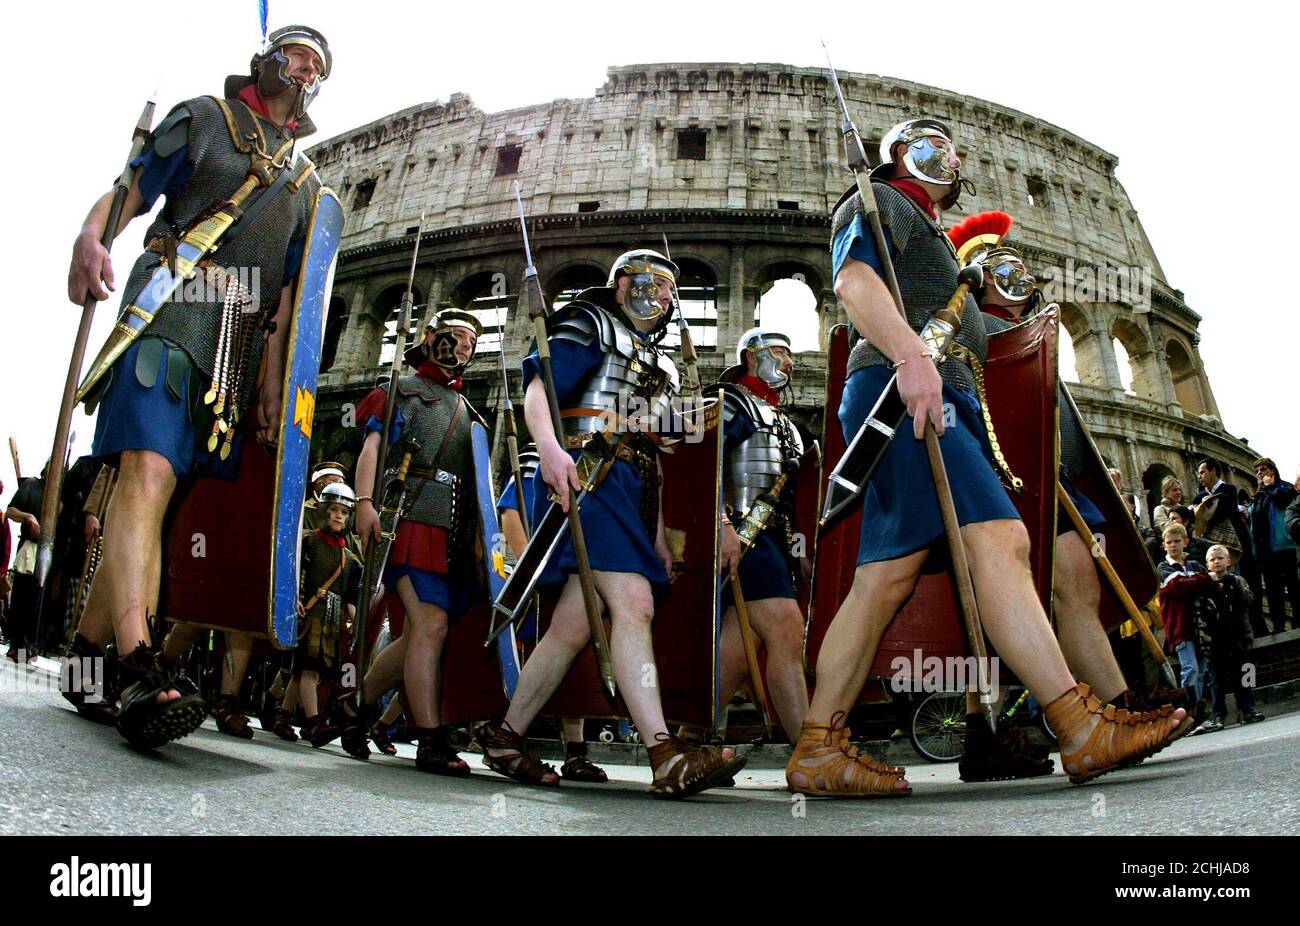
597,553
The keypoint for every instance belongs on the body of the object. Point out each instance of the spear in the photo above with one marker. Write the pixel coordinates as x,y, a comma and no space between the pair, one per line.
54,479
689,356
370,572
537,312
942,338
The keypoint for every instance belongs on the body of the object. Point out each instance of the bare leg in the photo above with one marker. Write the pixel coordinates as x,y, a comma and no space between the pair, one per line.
1076,596
291,696
779,627
879,591
385,671
572,731
308,685
180,640
426,631
239,647
392,712
550,662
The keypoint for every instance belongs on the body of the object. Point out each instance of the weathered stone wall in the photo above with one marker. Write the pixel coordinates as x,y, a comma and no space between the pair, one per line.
740,165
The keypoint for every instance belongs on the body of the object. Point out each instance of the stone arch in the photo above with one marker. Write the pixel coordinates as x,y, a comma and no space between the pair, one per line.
1078,359
1188,388
476,284
1137,345
571,278
485,293
788,268
769,280
1152,476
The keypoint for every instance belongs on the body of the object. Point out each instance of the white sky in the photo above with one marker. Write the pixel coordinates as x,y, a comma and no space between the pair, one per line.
1162,86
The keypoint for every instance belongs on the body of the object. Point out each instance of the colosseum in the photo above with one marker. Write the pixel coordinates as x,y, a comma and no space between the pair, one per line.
739,165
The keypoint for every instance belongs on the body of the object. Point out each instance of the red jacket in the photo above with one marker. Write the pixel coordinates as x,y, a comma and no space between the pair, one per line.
1179,589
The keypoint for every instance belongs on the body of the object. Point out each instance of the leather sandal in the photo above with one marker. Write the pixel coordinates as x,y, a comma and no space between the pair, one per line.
383,742
103,709
355,738
320,731
834,767
281,726
577,767
142,720
434,753
1002,756
700,768
518,764
1120,739
230,719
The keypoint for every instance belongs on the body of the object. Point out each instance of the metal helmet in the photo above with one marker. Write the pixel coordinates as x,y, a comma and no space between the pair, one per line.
642,266
759,342
338,493
328,468
438,343
1006,270
268,67
929,142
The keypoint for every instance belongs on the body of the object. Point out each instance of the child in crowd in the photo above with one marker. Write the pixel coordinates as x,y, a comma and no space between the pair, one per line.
1230,637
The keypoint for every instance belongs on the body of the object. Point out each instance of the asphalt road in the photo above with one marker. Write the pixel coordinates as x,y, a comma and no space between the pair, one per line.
60,774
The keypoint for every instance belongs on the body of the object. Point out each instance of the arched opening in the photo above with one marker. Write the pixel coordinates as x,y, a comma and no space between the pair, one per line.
569,281
1066,362
1133,350
1125,366
1186,378
787,301
1079,350
697,292
1151,479
335,321
388,308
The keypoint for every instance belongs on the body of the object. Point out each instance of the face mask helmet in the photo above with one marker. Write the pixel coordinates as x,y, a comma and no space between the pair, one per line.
644,269
270,67
440,341
929,144
767,366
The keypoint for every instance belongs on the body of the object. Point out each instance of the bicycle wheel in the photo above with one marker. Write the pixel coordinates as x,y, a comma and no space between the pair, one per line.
938,727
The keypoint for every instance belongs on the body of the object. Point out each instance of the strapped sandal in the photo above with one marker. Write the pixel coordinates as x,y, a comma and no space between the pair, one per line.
577,767
102,710
700,768
834,767
230,719
1121,738
281,726
436,754
1002,756
145,722
520,764
383,742
355,737
319,731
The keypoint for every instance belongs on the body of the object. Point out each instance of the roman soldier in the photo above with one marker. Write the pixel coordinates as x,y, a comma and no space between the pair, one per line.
1009,296
760,443
901,522
430,566
173,385
607,362
577,766
322,475
331,578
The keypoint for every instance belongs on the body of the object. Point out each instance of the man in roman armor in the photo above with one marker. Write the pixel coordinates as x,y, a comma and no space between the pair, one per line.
431,560
1009,296
330,578
607,365
760,443
172,400
901,522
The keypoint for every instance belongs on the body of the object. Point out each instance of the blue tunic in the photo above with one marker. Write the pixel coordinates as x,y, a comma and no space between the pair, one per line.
764,570
617,541
509,500
900,511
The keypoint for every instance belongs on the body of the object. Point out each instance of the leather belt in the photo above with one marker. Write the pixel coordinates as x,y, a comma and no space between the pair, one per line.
622,450
437,475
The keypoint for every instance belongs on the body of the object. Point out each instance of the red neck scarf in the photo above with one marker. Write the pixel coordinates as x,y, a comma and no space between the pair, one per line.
431,371
760,389
334,540
258,105
917,194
